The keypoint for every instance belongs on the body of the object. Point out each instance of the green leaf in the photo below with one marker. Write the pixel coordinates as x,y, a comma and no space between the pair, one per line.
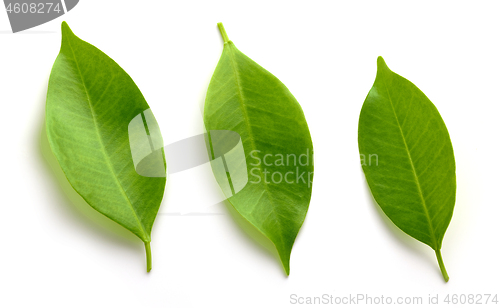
407,157
91,104
245,98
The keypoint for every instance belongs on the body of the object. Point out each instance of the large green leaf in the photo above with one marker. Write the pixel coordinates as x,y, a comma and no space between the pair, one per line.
245,98
91,106
407,158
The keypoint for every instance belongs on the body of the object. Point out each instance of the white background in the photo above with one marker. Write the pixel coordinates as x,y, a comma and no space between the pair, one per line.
58,252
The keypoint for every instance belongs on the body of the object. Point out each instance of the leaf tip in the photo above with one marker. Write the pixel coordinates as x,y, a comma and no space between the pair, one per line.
285,261
65,26
382,68
381,62
65,32
65,29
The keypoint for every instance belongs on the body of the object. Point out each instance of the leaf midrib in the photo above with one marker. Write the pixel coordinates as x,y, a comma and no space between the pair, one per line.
424,204
247,122
108,163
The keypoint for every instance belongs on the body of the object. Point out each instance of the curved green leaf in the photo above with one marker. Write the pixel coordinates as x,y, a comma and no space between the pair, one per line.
91,101
407,158
245,98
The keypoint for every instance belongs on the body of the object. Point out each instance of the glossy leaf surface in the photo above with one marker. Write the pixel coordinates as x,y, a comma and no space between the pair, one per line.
91,102
407,157
245,98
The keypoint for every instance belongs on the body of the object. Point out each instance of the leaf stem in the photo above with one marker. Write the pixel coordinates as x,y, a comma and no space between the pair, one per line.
223,32
441,265
148,256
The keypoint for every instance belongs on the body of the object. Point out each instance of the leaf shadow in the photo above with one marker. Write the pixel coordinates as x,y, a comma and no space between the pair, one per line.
406,240
74,208
253,235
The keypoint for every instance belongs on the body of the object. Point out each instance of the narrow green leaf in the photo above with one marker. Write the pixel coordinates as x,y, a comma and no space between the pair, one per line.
277,161
91,104
407,157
